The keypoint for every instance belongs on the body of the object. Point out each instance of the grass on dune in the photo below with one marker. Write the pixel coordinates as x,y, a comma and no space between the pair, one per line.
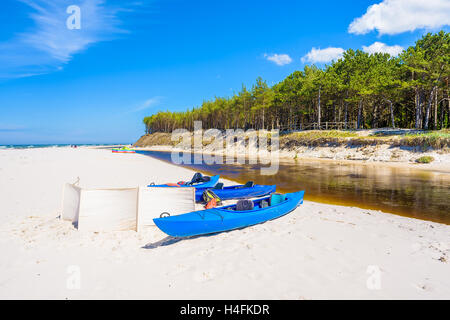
432,139
319,134
315,138
425,159
155,139
425,139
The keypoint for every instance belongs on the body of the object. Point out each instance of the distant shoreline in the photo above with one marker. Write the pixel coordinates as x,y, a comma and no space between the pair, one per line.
54,145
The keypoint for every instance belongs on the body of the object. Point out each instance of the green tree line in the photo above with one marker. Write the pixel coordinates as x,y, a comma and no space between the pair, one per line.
370,90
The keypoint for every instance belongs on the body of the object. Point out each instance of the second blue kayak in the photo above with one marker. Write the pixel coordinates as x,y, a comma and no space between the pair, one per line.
207,184
237,192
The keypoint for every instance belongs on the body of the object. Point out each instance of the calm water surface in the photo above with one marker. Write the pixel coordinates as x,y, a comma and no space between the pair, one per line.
409,192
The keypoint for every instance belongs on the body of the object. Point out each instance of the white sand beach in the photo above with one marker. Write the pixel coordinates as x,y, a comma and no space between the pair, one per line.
318,251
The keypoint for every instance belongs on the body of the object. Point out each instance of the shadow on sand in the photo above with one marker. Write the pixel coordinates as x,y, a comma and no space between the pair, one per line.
169,240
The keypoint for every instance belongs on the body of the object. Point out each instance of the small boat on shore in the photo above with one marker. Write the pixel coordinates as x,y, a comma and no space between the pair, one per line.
198,181
247,191
123,150
243,214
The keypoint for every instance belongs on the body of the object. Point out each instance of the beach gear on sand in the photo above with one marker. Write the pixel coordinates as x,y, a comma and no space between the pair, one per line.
209,195
276,198
249,190
226,218
198,181
211,204
123,150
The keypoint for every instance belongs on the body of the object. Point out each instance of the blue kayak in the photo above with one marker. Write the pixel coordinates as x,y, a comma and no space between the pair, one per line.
227,218
208,184
237,192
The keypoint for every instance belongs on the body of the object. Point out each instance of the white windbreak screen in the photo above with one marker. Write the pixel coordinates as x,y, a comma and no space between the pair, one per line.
154,201
123,209
108,210
71,203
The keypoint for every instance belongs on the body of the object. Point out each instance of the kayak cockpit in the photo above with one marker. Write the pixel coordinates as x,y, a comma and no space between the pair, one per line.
258,204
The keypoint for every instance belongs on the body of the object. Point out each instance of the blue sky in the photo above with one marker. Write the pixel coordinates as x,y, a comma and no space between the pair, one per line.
130,59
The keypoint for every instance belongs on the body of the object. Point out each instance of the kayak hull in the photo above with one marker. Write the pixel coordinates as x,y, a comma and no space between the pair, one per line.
221,219
209,184
237,192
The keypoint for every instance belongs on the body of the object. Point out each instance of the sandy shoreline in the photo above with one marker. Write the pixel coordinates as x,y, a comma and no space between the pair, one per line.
318,251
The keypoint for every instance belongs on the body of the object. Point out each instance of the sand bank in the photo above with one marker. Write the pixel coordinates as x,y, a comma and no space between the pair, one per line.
318,251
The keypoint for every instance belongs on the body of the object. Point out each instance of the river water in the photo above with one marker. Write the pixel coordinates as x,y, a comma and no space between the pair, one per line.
408,192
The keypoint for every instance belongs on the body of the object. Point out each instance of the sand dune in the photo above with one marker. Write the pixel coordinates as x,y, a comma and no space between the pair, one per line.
318,251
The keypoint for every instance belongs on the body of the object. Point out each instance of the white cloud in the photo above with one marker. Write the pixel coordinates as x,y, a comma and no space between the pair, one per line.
323,55
383,48
397,16
11,128
148,103
279,59
49,44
